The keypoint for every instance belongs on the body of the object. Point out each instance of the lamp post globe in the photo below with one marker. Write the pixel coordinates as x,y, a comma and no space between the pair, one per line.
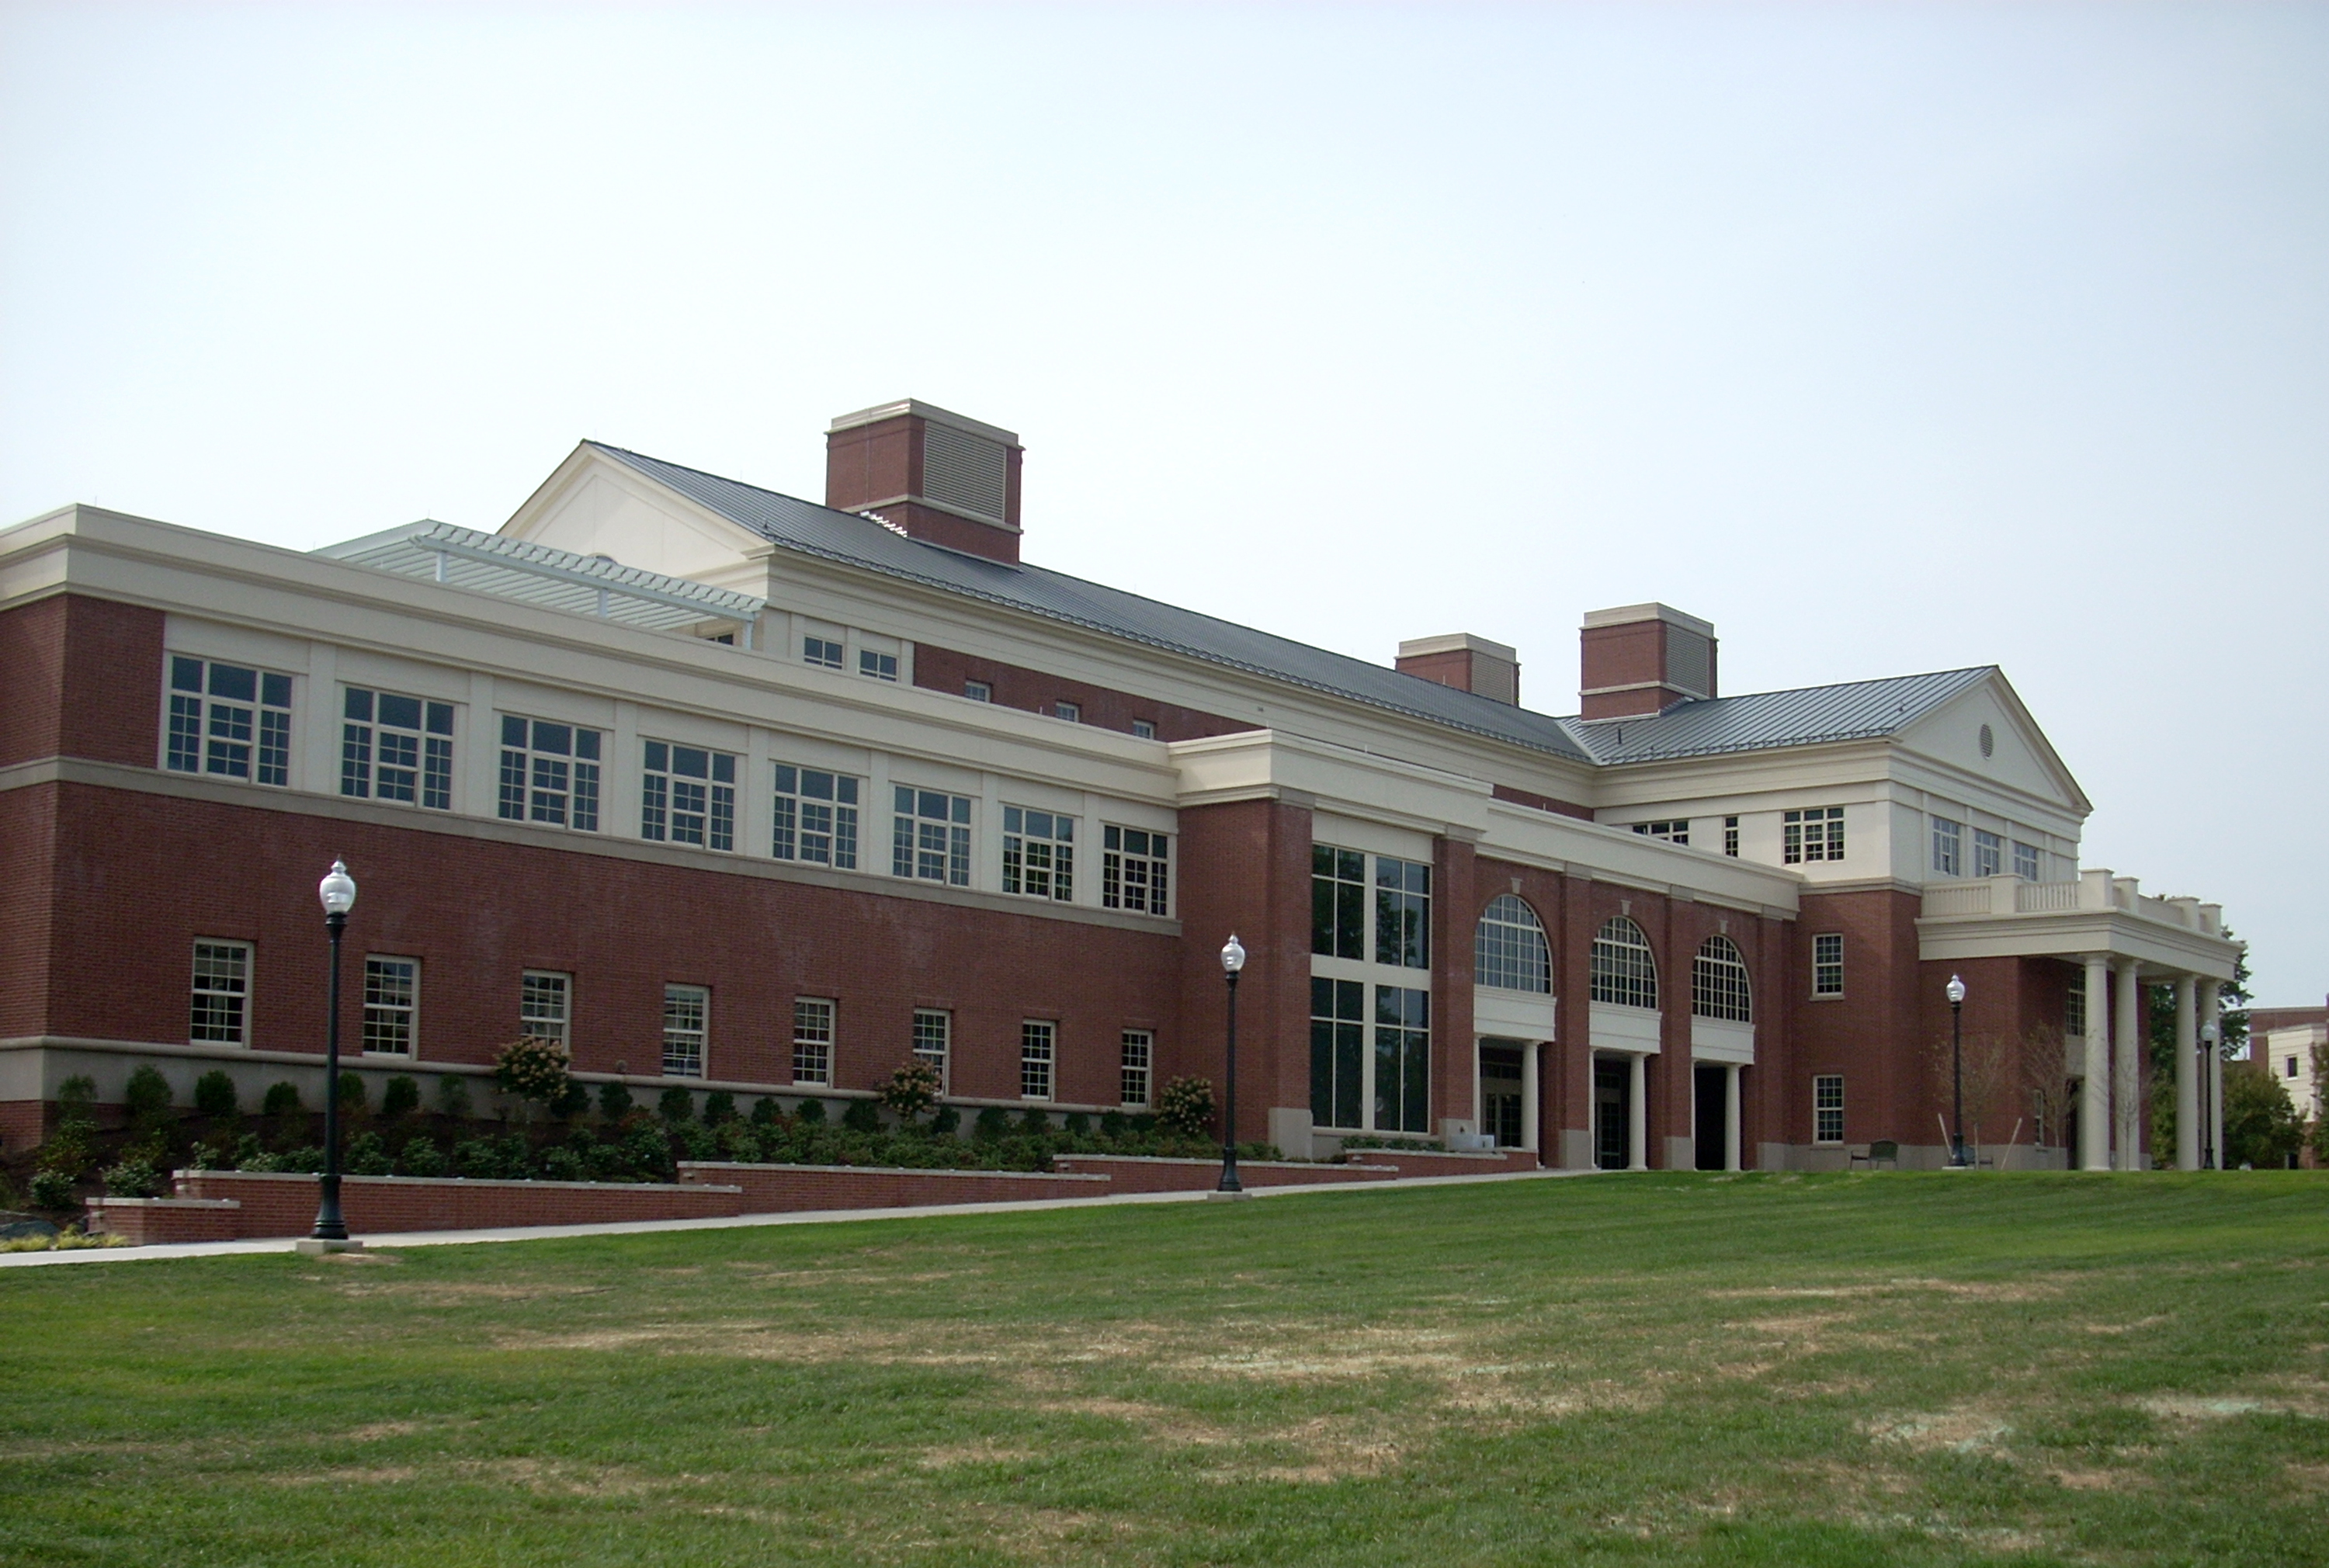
337,894
1957,994
1232,963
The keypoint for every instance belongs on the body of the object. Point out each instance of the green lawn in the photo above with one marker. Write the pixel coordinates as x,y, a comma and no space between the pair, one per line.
1790,1370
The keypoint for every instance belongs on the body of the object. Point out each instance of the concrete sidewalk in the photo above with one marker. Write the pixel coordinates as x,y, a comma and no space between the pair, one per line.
447,1238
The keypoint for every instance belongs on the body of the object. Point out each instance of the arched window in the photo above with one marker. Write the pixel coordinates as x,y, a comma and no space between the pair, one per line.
1509,949
1719,986
1624,971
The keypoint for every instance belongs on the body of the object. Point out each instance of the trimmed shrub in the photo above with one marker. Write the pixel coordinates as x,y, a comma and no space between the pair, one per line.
946,1123
421,1157
615,1101
574,1103
994,1124
215,1095
366,1155
400,1097
696,1142
676,1104
1078,1126
648,1152
147,1097
768,1112
77,1097
607,1162
719,1106
50,1190
738,1142
810,1113
352,1095
863,1116
133,1179
1186,1106
1034,1122
453,1096
1114,1124
307,1158
263,1161
532,1069
282,1099
564,1165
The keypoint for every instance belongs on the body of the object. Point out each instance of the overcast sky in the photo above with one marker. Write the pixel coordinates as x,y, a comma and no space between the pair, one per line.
1888,339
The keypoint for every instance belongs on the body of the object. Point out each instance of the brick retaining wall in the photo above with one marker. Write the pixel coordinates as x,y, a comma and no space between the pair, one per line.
143,1221
785,1188
1157,1173
284,1204
1449,1162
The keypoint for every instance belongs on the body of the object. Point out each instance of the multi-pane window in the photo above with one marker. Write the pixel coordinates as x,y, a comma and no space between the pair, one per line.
877,666
1135,870
1402,1059
1827,963
394,748
221,993
979,690
821,651
1144,730
1827,1108
1625,970
816,817
1337,1052
1509,949
391,1005
2074,1009
230,720
931,840
1676,832
1039,854
1073,712
1038,1047
549,773
1402,912
1988,853
1719,985
545,1004
1730,837
1948,845
1816,834
686,1015
1338,902
2025,861
934,1040
688,796
813,1041
1139,1046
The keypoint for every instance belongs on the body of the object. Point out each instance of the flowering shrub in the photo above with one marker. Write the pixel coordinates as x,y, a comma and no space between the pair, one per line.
534,1068
1185,1105
912,1091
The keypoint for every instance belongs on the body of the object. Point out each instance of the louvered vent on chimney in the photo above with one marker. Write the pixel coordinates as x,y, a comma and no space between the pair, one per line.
932,473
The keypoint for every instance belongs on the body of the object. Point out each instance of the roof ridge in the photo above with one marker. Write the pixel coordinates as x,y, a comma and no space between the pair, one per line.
1699,702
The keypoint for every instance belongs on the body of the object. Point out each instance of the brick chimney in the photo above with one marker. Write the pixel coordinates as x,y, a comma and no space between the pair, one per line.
1467,662
1643,659
937,476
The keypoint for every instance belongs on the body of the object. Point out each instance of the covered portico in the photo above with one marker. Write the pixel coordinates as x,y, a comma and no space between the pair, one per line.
2121,941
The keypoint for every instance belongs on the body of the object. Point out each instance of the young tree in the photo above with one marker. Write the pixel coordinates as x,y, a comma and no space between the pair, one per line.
2232,1025
2260,1126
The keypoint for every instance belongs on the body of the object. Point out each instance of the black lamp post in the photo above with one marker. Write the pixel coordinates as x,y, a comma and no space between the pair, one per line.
1232,961
2209,1035
1957,1070
339,892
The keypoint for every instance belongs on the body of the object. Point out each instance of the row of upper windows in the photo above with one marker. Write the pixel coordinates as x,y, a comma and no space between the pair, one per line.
236,723
1510,952
1988,852
1060,707
1343,913
1815,834
221,1015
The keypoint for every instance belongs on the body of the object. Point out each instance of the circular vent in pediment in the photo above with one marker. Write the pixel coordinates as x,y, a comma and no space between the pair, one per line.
1988,741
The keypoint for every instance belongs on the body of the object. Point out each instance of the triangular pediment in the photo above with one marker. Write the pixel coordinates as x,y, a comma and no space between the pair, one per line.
1985,731
594,505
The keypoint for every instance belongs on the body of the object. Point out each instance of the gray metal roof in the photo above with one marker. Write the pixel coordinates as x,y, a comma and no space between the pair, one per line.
559,580
860,541
1806,716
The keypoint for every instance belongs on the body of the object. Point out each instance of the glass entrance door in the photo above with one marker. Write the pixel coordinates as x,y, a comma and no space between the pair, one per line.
1709,1084
1500,1094
1611,1080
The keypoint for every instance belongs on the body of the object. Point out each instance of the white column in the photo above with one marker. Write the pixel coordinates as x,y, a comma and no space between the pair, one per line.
2211,1004
1529,1054
1637,1112
1730,1137
2187,1077
2094,1090
2126,1083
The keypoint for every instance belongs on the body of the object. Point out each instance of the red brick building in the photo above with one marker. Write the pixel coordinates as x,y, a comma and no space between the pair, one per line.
728,789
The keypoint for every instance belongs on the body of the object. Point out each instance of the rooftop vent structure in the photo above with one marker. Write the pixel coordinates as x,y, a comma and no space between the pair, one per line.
929,474
1467,662
1642,659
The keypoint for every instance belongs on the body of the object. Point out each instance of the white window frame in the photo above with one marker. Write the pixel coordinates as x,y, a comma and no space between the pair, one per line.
1721,986
522,799
1073,712
1827,1109
822,653
686,1046
216,950
1827,963
1813,834
364,737
933,1043
1670,831
815,1019
1948,847
1039,1059
1135,1077
1623,965
681,807
876,665
534,988
801,820
1988,853
217,734
1730,837
1146,871
911,835
383,1012
1505,948
1144,730
2029,861
979,690
1039,864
